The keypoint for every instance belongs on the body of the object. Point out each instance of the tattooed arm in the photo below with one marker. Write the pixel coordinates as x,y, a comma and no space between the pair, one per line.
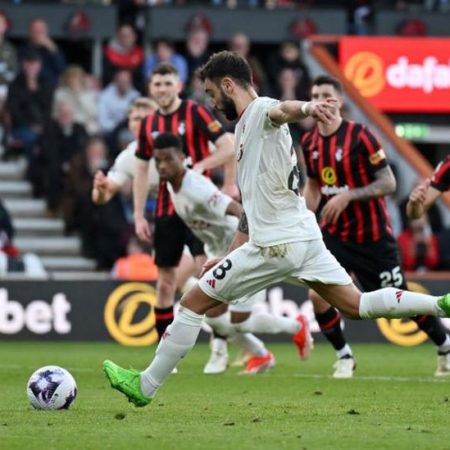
241,236
384,184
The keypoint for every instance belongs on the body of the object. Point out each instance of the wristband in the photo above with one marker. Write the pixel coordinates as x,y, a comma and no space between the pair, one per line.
304,108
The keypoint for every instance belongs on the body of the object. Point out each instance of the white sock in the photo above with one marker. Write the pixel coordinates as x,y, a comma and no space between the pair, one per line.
268,323
445,346
345,350
250,343
395,303
179,338
221,324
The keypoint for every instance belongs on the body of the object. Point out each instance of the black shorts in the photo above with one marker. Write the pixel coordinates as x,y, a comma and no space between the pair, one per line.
170,236
374,264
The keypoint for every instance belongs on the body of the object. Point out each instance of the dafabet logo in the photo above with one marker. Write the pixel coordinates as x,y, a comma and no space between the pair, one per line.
130,314
366,71
399,74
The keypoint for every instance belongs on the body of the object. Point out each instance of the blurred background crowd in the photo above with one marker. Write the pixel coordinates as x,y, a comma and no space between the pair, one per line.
63,121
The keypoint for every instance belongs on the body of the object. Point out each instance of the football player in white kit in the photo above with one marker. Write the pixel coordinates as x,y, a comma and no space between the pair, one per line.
278,238
213,218
123,171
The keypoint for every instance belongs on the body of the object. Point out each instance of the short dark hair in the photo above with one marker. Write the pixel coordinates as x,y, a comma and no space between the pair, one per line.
227,64
326,79
166,140
165,68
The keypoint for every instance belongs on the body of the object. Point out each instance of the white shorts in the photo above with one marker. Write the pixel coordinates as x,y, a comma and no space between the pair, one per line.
250,269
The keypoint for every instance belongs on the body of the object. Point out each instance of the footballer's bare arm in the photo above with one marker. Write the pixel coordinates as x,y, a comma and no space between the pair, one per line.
421,198
295,110
384,184
241,235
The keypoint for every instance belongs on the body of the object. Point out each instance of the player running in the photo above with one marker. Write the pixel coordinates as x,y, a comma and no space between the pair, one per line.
196,127
213,217
348,177
124,170
278,238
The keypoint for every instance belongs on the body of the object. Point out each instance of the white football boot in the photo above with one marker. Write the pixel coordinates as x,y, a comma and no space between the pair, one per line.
218,361
344,367
443,366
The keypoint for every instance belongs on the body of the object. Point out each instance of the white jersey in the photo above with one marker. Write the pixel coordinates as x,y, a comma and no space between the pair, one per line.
267,179
203,208
123,169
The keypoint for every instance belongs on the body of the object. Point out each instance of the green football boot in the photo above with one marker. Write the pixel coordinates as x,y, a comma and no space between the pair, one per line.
444,304
127,381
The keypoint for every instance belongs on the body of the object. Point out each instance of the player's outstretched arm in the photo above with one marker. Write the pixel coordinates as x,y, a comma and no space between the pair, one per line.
140,191
421,199
295,110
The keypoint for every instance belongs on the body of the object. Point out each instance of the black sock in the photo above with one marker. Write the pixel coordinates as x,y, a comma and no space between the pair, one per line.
164,317
330,325
219,336
433,327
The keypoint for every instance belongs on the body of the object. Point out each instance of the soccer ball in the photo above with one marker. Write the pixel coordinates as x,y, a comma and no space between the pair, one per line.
51,387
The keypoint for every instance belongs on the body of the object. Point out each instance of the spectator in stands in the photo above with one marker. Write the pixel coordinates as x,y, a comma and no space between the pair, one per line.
123,52
8,60
74,89
360,16
29,106
62,140
165,52
138,265
197,52
196,91
53,61
114,102
289,56
287,88
419,247
437,5
240,43
102,227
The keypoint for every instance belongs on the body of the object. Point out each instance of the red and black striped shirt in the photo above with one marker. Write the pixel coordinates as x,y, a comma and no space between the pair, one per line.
194,125
441,176
348,159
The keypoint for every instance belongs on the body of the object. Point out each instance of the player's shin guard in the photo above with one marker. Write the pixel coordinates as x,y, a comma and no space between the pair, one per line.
267,323
395,303
176,342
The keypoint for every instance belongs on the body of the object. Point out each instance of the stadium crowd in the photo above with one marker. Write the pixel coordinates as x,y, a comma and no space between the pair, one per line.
68,124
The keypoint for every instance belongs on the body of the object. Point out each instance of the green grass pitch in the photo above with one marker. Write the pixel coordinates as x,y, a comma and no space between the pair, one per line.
393,402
